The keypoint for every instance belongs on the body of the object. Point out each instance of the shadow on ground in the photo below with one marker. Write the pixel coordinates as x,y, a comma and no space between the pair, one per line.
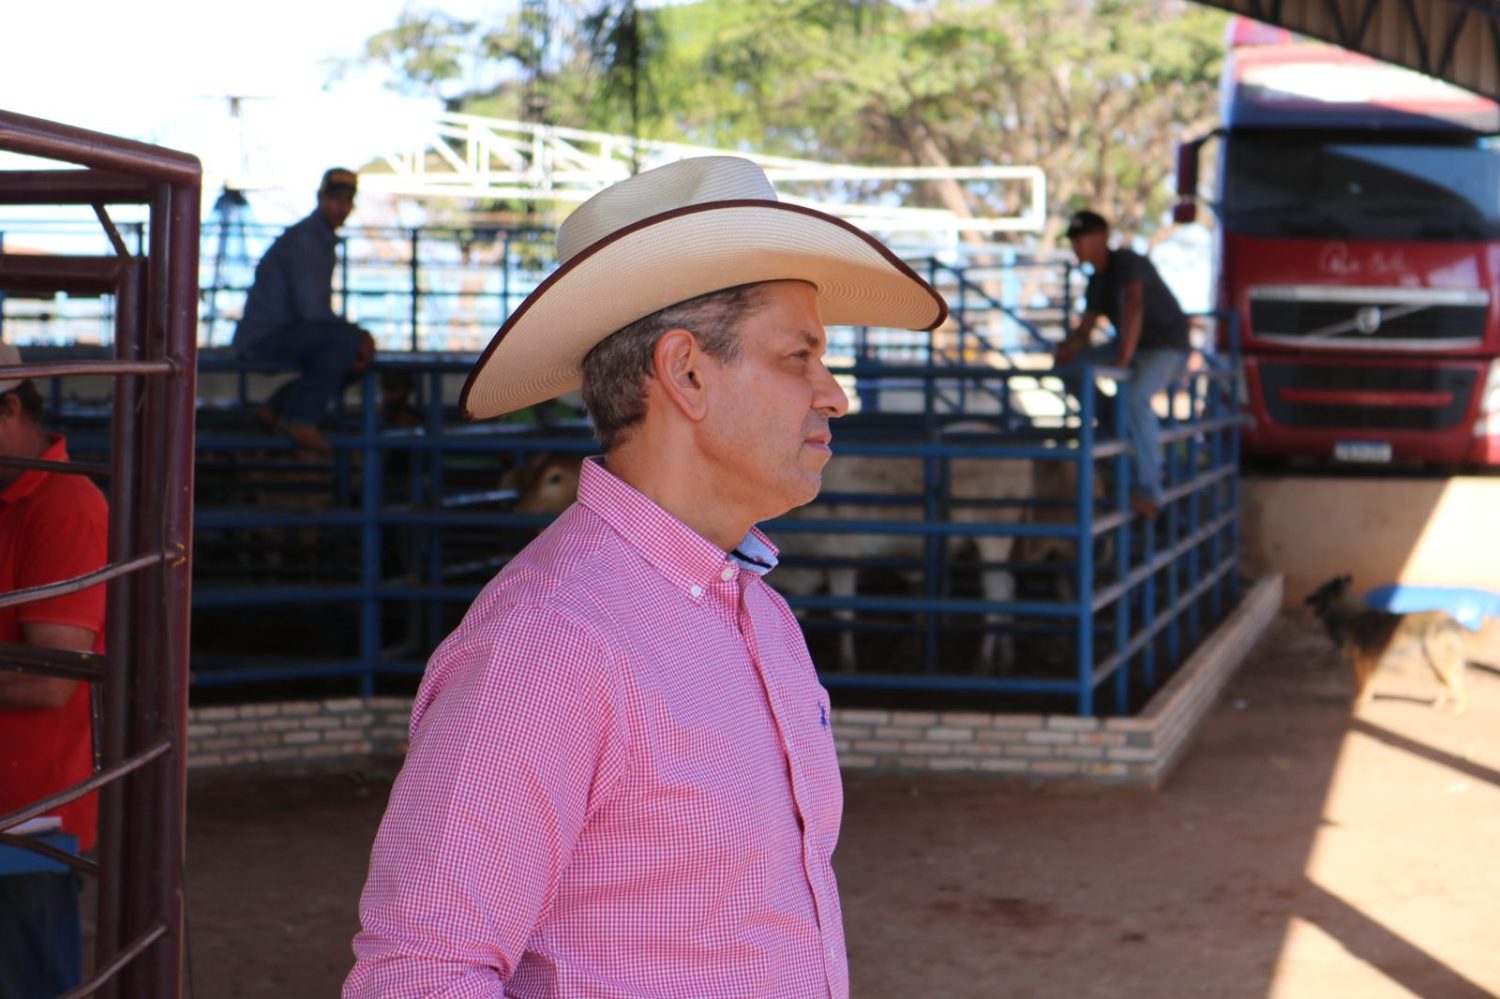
1298,852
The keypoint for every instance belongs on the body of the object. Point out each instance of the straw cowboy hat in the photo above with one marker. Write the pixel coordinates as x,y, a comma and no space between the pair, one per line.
670,234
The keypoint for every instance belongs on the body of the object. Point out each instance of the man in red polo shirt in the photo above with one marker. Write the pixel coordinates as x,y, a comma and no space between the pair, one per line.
52,527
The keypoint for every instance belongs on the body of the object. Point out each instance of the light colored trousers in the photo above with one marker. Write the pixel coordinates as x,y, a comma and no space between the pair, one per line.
1151,371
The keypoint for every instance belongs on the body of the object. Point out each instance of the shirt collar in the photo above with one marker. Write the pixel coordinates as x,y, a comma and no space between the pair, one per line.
686,558
57,450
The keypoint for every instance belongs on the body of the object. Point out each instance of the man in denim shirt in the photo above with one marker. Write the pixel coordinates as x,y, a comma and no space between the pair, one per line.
289,315
1151,339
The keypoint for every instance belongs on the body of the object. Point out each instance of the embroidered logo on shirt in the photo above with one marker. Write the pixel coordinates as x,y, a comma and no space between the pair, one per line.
822,715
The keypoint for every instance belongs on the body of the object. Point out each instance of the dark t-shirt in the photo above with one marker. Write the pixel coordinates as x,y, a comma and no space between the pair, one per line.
1163,326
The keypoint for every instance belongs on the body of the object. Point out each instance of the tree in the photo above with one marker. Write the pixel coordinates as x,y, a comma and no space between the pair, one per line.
1095,92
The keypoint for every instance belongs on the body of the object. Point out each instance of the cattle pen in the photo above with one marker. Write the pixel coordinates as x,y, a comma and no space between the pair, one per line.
972,553
338,577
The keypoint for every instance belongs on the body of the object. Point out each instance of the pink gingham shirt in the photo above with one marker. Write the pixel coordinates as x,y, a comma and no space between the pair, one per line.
621,782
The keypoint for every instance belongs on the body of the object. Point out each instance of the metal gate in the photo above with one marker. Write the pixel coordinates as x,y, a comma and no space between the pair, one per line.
140,682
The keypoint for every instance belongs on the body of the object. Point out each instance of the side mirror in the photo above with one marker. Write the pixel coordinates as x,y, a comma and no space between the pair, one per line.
1186,209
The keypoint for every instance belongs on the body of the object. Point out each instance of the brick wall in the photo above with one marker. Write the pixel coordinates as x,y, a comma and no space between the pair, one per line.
1141,749
306,733
1138,750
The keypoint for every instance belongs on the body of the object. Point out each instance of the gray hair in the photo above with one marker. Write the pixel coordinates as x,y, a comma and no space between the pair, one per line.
616,371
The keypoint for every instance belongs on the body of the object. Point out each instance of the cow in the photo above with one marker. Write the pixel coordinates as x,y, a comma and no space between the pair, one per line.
549,483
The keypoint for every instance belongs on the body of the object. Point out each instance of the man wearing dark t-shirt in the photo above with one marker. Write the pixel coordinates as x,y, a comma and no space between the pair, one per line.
1151,339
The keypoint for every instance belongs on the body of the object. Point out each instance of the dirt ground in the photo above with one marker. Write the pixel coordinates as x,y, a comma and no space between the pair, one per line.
1299,851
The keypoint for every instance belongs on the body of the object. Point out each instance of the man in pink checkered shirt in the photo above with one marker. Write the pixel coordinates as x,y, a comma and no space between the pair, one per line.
622,780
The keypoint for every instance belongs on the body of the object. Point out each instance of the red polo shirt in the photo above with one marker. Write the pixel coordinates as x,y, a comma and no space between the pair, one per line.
52,527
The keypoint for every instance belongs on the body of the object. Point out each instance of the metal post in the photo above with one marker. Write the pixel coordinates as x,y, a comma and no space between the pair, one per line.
1233,440
1194,510
1122,561
1174,531
370,541
1083,611
416,287
121,623
935,510
178,409
436,459
1216,497
1148,603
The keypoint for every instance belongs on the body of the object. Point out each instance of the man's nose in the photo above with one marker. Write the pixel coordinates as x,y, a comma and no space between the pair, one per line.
830,398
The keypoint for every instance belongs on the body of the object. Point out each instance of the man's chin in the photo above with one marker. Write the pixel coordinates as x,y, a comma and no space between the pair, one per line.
802,494
813,487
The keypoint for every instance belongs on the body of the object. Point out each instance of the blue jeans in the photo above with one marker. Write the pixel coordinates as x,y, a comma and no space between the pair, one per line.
325,350
1151,371
41,938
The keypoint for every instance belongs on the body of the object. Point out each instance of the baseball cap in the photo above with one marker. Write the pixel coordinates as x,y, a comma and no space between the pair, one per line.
1085,222
9,355
339,179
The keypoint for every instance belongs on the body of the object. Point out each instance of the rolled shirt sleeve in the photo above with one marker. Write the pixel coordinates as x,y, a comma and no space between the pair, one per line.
519,733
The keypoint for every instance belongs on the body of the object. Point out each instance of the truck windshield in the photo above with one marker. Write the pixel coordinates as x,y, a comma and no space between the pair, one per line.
1305,186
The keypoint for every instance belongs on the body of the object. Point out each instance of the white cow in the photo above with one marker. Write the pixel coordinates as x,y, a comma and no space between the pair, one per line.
969,479
549,483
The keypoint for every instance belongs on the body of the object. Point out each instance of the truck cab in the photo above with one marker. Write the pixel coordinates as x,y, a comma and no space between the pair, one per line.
1359,247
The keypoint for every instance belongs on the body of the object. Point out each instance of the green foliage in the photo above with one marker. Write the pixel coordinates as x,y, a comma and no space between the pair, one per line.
1096,92
423,51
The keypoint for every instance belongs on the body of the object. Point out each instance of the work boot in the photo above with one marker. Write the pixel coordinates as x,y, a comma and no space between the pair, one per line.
308,437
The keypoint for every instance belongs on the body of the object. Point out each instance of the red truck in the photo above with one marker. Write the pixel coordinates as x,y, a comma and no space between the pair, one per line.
1359,246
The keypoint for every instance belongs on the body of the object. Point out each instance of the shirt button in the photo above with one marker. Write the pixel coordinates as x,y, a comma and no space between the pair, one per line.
727,574
696,591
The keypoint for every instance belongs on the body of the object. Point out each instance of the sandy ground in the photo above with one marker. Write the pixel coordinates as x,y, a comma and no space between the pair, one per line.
1299,851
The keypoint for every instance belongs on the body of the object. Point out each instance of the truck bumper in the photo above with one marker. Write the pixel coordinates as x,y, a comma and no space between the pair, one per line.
1413,412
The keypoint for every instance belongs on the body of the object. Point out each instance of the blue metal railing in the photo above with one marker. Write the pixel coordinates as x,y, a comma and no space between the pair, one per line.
412,519
448,288
1131,617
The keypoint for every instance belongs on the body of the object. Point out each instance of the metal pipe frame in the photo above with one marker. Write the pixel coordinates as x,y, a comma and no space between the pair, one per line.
1123,631
140,682
402,299
1135,629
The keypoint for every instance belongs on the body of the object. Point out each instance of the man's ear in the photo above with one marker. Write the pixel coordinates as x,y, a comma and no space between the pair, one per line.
677,363
10,406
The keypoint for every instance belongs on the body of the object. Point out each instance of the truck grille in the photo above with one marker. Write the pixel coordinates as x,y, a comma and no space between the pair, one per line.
1364,318
1444,393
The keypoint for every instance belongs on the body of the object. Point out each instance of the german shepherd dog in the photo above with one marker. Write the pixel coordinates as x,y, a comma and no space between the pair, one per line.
1370,638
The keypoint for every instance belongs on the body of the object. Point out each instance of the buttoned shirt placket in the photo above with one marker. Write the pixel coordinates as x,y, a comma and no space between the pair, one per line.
732,592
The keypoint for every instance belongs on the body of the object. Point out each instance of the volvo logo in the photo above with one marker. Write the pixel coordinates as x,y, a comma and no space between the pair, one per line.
1367,319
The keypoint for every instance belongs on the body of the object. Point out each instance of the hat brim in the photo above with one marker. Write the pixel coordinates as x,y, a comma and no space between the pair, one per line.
678,255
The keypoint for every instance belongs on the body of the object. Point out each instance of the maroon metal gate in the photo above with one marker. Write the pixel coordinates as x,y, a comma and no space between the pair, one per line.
140,682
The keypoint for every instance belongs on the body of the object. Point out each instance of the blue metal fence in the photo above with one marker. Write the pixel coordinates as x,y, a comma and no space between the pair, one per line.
367,560
446,289
399,531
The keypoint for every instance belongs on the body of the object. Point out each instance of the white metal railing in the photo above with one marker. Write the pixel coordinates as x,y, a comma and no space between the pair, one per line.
468,156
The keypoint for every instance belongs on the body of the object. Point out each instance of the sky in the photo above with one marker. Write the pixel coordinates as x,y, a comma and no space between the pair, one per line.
161,70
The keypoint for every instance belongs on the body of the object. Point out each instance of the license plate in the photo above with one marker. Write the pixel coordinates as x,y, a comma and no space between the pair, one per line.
1363,452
